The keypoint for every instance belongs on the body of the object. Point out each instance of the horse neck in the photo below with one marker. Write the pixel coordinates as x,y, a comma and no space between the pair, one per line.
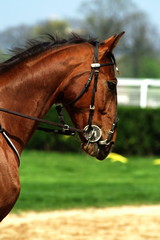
32,90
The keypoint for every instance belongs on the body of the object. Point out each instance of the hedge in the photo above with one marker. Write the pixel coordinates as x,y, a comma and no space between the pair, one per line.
138,133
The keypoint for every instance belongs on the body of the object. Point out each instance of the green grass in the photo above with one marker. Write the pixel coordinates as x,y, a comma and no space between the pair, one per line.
61,181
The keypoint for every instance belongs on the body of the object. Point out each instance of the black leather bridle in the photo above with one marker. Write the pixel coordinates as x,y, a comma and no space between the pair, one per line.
92,133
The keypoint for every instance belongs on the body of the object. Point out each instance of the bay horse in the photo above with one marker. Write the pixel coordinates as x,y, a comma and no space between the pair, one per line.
79,74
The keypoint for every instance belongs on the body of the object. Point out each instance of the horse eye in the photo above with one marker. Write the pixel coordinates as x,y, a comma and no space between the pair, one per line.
111,85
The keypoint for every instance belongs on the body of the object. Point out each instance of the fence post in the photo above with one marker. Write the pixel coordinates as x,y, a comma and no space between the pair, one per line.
143,93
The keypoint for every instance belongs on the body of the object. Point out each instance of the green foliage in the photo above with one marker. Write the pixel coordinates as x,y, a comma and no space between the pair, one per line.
59,27
60,181
149,68
3,56
138,131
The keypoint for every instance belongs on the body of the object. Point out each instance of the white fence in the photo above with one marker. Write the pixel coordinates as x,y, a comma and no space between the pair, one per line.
139,92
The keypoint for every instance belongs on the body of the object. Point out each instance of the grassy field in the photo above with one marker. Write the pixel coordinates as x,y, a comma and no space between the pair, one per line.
62,181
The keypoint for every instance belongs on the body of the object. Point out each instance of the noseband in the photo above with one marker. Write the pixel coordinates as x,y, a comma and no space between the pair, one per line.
92,133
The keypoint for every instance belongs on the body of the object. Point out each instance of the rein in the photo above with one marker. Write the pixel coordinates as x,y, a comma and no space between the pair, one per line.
65,127
92,133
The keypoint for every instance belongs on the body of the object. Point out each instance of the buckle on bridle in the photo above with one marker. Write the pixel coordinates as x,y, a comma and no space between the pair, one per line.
66,130
95,65
92,135
111,131
65,127
92,107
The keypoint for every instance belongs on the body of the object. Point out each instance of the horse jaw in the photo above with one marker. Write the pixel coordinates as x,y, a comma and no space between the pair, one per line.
96,150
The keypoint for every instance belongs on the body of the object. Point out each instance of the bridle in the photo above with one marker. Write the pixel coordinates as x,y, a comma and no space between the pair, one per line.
92,133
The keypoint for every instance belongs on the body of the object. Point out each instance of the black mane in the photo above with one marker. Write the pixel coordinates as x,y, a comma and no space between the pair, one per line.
34,47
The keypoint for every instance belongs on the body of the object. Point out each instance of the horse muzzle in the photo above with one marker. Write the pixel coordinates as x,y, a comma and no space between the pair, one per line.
95,146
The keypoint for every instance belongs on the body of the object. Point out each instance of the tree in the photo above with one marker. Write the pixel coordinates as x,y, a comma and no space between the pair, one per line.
3,56
104,18
17,36
59,27
139,43
14,37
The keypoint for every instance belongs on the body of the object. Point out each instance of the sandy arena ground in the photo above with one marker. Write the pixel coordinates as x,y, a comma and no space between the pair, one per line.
121,223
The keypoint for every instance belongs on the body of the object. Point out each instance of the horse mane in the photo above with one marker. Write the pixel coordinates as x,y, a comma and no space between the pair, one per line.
35,47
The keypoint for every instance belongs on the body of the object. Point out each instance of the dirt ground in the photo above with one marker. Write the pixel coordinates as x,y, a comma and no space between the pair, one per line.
120,223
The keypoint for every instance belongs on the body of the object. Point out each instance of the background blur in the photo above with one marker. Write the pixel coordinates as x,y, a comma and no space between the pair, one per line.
138,57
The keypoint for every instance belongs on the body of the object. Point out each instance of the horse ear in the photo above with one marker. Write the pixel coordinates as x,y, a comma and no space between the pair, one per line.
109,44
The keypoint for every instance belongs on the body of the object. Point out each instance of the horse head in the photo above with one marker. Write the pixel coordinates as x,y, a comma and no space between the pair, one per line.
91,97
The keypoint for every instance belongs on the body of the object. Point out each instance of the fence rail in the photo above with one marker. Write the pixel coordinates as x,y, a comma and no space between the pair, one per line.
139,92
